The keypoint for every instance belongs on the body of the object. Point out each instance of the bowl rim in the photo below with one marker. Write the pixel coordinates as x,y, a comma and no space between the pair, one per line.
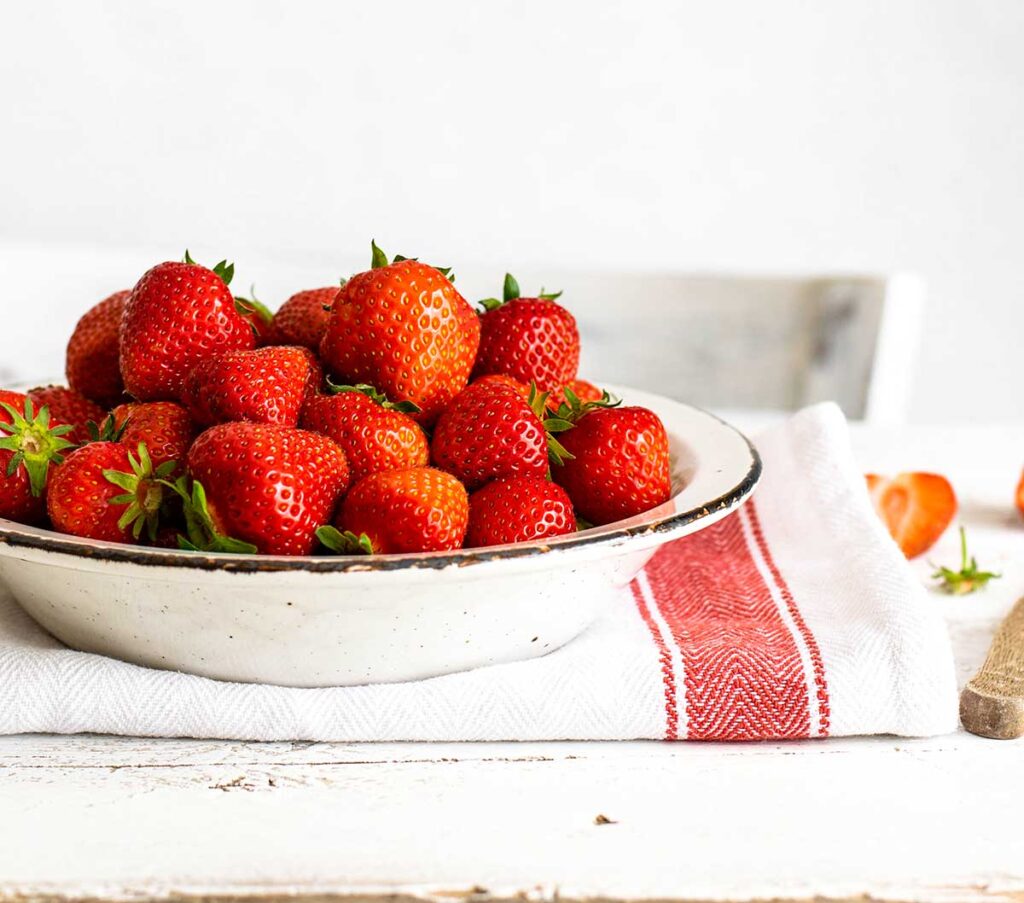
646,524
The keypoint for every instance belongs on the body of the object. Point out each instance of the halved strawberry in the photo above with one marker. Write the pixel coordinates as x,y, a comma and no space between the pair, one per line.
915,507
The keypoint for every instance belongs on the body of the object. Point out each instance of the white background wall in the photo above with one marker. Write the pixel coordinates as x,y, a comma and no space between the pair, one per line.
742,135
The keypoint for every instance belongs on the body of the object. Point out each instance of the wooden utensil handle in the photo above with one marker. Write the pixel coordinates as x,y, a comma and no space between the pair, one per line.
992,703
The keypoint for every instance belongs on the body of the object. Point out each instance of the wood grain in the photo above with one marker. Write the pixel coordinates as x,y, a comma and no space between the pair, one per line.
992,703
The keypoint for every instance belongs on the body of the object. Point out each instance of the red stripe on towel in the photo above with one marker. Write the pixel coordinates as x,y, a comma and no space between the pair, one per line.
668,676
742,672
820,685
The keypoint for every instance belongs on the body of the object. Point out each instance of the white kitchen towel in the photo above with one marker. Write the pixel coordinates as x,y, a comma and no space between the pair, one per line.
794,617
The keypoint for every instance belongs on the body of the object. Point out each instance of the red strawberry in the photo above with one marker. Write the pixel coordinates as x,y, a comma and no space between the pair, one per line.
165,427
403,328
375,434
260,320
583,390
533,340
491,431
29,444
267,385
416,510
102,491
177,315
264,485
500,379
915,507
619,464
92,363
518,509
68,406
303,318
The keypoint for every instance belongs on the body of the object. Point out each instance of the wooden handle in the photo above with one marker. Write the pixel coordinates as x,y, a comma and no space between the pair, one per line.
992,703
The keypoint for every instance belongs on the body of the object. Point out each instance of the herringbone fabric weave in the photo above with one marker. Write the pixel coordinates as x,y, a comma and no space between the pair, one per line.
795,617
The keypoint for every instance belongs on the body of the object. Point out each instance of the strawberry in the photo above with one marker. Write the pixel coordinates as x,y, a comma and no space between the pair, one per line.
374,433
68,406
420,509
177,315
265,487
534,340
617,464
265,385
1020,494
303,318
518,509
102,491
916,508
500,379
29,444
259,318
92,361
583,390
491,431
165,427
403,328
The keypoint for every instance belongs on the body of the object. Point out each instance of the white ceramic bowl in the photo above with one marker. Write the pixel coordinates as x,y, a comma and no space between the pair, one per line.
338,621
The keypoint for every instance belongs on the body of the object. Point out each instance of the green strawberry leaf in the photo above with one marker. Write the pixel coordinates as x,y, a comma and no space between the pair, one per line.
378,258
203,535
404,407
143,497
223,269
347,543
34,443
970,578
253,307
510,291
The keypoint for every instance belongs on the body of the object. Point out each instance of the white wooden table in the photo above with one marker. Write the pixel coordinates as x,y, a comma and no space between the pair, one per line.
943,819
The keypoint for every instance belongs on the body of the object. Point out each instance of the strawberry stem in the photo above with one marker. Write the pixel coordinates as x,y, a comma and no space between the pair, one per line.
371,392
36,444
225,270
379,259
347,543
969,578
143,495
203,535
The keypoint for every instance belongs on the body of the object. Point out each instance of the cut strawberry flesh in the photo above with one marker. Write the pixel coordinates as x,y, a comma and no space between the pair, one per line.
915,507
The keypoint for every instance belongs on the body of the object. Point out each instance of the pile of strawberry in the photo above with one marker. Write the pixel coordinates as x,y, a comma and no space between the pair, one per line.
384,416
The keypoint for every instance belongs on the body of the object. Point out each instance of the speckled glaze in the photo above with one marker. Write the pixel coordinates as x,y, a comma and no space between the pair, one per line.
339,621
